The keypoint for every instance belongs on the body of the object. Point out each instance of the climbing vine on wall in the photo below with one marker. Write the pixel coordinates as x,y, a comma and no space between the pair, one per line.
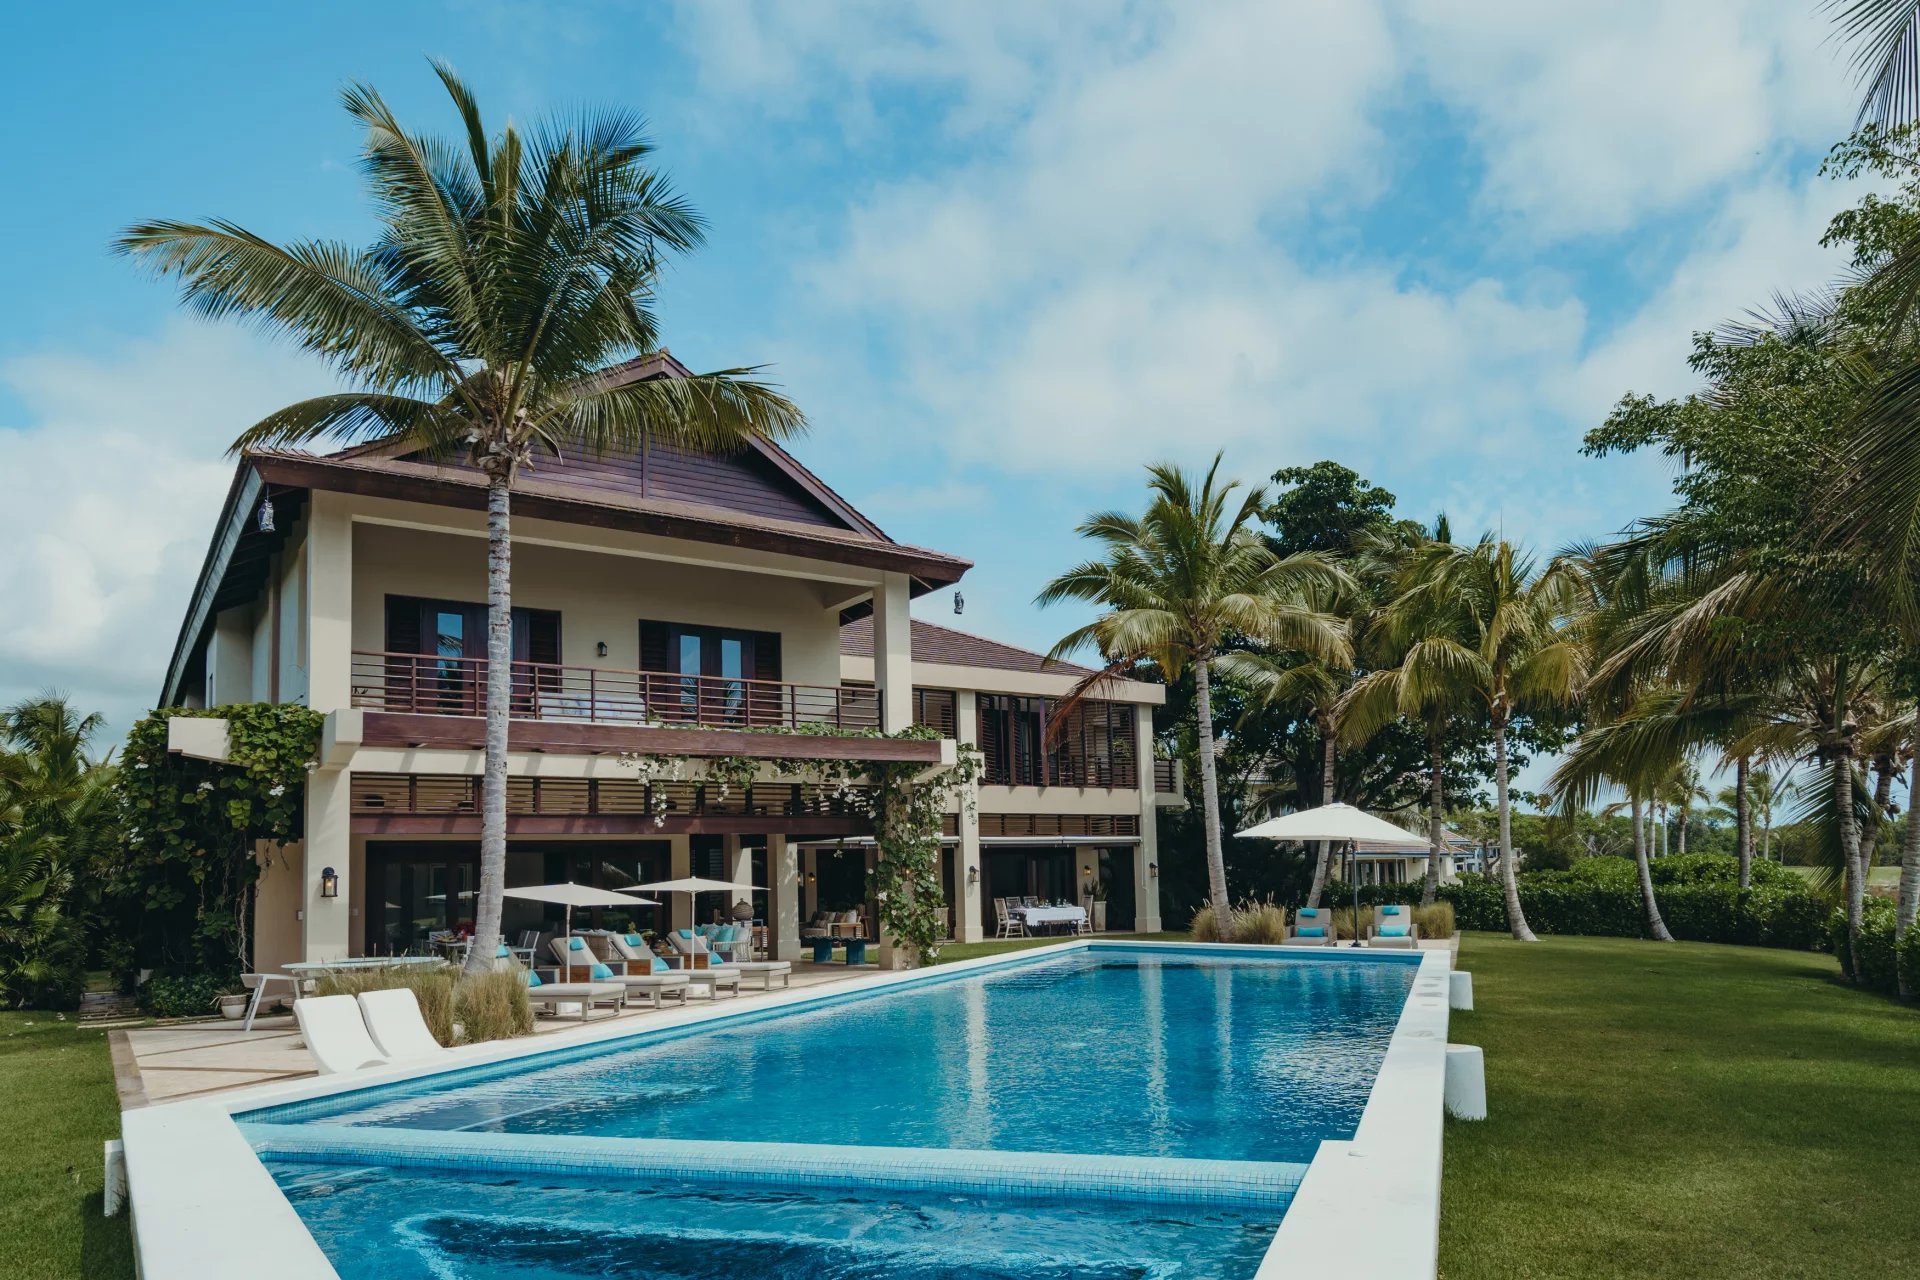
184,890
907,802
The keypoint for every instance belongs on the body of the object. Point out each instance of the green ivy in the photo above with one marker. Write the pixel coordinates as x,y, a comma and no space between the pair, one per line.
184,888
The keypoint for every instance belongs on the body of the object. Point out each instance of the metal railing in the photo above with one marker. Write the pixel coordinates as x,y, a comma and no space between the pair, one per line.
427,684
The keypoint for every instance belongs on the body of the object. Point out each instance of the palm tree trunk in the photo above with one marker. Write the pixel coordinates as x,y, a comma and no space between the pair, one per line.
1908,905
1686,812
1656,927
1323,848
1210,796
493,782
1850,853
1516,918
1743,823
1436,821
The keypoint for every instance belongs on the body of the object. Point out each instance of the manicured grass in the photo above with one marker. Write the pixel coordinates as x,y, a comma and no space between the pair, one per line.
993,946
1682,1109
60,1107
1883,879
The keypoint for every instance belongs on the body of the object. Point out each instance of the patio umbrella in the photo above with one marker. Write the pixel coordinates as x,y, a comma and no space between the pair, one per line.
571,895
1342,822
695,885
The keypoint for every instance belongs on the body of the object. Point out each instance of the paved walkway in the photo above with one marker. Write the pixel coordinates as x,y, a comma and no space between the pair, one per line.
164,1064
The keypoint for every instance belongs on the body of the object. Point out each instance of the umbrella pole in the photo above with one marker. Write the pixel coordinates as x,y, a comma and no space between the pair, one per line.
1353,874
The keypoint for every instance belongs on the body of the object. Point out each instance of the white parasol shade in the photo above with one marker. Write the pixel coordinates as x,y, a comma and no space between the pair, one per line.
692,884
1332,822
571,895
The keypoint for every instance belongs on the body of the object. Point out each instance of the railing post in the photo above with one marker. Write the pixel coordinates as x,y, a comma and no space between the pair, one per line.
593,694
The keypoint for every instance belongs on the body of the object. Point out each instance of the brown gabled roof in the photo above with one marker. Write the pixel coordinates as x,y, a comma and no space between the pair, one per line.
946,647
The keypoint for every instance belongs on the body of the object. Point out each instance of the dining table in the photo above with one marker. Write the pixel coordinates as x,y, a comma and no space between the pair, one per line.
1050,919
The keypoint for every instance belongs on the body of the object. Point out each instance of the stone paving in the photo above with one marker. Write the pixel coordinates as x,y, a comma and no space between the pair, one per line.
164,1064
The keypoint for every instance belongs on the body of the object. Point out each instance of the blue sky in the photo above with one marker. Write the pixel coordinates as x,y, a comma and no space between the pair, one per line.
1004,254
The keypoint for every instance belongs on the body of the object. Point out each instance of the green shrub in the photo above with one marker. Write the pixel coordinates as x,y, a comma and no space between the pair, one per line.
44,967
1259,923
1906,962
1876,966
492,1006
432,987
182,995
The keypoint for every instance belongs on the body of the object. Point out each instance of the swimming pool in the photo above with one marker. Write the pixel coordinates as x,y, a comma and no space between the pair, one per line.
1108,1052
1093,1109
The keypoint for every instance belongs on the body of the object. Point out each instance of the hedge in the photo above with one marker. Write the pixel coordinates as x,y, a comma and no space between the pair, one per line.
1881,965
1699,897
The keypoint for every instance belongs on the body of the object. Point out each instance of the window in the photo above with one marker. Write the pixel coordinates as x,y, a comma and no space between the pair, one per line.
717,666
1027,743
450,638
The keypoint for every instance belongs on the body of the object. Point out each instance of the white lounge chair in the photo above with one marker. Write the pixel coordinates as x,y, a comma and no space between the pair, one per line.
766,971
552,995
336,1034
1312,927
715,978
1393,927
654,986
393,1019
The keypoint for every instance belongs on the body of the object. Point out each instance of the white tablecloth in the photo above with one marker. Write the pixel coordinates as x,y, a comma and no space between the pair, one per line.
1051,915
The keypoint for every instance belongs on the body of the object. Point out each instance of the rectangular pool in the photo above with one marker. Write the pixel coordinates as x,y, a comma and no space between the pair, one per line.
1106,1112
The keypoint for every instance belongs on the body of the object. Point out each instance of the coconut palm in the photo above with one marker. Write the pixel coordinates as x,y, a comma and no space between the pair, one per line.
512,270
1178,582
1485,626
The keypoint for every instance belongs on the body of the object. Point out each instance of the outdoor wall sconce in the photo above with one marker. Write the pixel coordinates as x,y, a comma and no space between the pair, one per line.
973,875
1153,871
265,517
329,883
811,877
601,648
1087,871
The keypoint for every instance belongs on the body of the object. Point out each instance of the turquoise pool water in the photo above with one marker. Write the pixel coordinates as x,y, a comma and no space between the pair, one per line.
1109,1114
383,1224
1105,1052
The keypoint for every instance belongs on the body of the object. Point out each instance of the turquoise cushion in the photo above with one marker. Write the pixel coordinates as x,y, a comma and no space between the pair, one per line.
635,940
723,934
1393,931
533,979
1389,911
500,952
661,966
1311,913
685,933
576,944
600,973
1315,932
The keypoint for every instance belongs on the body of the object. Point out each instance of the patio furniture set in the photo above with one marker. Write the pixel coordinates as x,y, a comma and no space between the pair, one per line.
1030,917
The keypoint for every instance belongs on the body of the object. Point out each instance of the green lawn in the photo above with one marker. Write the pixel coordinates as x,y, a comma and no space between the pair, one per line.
1682,1109
1657,1110
1885,879
60,1107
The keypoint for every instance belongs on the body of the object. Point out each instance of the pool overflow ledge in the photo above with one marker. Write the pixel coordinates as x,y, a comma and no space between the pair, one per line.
190,1162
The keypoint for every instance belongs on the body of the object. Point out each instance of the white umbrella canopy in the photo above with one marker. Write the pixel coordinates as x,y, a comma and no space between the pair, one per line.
571,895
1331,822
691,884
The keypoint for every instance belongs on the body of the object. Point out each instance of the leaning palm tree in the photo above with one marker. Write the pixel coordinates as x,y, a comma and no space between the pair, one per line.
512,271
1178,582
1491,629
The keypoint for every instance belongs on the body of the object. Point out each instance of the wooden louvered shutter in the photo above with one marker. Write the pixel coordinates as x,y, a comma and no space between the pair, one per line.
655,646
404,633
766,655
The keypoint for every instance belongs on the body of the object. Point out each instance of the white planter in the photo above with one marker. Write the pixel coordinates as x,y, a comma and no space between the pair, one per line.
1099,916
234,1008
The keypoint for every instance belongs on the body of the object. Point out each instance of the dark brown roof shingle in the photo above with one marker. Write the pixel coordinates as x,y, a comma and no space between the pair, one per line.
947,647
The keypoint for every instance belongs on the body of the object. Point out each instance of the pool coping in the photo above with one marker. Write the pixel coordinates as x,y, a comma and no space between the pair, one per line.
204,1205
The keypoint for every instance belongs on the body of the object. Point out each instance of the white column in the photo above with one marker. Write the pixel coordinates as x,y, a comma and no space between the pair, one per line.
893,652
329,602
1146,885
783,893
328,922
969,876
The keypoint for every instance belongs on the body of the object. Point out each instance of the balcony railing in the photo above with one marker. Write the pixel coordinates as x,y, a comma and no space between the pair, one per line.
426,684
1166,776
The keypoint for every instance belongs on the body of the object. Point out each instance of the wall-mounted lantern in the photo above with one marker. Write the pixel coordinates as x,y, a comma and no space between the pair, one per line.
1153,871
973,875
329,883
265,516
601,648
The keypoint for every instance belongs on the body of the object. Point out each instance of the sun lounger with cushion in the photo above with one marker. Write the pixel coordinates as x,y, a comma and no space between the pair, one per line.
1312,927
654,986
1393,927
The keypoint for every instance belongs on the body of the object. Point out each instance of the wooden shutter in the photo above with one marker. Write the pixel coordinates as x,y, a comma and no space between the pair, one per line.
766,655
404,632
536,636
655,646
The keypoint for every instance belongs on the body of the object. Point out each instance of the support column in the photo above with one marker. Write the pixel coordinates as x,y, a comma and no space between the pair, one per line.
329,602
809,891
893,652
680,862
1146,883
783,896
327,932
1085,856
969,875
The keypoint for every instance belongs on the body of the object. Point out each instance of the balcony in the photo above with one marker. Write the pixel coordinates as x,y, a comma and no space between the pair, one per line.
422,684
423,700
1166,776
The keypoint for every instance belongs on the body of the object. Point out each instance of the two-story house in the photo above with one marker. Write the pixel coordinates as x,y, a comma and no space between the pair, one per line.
664,602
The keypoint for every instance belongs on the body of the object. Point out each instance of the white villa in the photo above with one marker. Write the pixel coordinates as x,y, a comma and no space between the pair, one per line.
664,602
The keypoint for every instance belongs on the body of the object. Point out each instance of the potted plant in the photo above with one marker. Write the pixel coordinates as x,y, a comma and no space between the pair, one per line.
233,1004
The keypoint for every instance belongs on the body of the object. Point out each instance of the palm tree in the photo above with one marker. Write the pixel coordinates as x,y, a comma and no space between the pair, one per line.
1482,625
1181,580
1766,794
1679,791
1316,687
512,271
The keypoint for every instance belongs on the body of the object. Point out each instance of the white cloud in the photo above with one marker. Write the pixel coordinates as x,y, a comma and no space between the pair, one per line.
110,486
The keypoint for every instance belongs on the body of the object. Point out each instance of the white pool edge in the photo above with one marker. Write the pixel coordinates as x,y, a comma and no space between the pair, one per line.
205,1207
